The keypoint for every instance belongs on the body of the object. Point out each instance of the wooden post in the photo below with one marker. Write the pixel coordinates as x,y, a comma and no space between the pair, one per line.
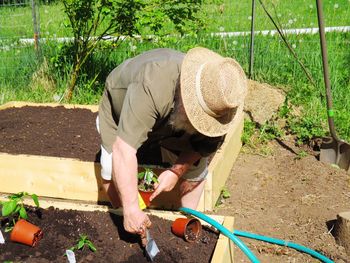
35,16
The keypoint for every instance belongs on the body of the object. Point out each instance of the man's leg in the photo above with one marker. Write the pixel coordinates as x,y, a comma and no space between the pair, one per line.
112,193
191,192
107,182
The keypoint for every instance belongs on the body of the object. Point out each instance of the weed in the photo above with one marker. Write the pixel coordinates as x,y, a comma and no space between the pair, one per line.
305,128
301,155
248,131
224,194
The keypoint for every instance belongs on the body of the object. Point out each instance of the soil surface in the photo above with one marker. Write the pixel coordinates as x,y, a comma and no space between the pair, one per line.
284,196
50,131
62,228
275,191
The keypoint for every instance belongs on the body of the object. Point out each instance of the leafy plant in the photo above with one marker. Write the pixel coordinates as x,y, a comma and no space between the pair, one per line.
305,128
15,206
82,242
248,131
94,20
146,179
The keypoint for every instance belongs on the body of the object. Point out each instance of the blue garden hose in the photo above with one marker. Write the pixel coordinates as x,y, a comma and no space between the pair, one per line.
223,230
284,243
243,247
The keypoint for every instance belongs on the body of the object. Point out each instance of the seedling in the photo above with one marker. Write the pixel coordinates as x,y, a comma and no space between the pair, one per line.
14,208
82,242
147,179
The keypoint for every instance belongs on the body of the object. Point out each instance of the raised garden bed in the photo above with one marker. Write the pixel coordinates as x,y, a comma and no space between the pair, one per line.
62,222
56,151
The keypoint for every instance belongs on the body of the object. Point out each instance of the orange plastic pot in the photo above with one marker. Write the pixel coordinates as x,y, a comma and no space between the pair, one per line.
188,228
145,197
26,233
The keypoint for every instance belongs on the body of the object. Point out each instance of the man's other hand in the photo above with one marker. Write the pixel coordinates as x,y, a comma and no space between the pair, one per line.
167,181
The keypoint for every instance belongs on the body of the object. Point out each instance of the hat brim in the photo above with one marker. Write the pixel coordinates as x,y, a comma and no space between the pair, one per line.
200,120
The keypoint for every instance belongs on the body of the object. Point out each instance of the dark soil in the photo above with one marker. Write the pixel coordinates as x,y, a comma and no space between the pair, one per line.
62,229
50,131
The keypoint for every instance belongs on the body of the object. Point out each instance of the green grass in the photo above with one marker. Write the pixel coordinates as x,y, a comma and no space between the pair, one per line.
221,15
273,63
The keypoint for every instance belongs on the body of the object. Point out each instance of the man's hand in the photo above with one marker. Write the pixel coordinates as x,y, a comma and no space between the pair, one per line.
167,181
136,222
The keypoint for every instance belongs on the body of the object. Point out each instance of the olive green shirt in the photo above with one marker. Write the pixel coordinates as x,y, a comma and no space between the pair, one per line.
137,103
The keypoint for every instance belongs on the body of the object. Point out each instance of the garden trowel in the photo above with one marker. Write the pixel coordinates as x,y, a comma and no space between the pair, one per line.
151,247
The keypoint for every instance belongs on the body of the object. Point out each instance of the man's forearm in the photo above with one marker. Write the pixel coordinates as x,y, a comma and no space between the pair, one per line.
124,173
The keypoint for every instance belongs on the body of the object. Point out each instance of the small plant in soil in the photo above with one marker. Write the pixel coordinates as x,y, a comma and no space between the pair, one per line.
147,179
83,242
14,208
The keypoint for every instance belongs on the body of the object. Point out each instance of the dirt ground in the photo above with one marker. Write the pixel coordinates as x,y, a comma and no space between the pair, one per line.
281,196
62,228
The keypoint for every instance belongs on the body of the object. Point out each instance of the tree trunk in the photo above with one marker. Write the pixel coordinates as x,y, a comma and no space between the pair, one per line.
71,85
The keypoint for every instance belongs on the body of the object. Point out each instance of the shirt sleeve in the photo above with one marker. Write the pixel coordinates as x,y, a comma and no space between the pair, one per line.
206,145
138,115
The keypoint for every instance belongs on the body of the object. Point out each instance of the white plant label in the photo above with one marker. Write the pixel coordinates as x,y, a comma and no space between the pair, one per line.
70,256
2,239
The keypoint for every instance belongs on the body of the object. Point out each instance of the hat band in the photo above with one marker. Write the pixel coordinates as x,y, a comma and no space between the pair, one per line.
199,93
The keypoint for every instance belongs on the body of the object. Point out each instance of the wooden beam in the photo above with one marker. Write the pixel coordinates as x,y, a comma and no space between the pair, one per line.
61,177
221,165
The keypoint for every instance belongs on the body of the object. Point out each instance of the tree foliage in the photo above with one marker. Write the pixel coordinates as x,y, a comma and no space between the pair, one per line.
94,20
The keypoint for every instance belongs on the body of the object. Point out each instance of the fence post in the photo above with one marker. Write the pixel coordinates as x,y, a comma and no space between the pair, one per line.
251,49
35,16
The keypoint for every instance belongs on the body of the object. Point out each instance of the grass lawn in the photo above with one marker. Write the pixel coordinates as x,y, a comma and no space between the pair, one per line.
273,63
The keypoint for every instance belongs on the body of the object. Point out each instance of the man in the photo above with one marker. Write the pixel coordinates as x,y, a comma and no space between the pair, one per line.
180,104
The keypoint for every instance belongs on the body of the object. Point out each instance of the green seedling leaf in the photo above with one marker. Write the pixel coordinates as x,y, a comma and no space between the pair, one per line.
155,179
17,209
35,199
8,207
8,229
81,244
91,246
23,213
225,193
141,175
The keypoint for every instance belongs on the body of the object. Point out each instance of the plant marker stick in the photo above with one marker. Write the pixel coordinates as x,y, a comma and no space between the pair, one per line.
70,256
2,240
142,204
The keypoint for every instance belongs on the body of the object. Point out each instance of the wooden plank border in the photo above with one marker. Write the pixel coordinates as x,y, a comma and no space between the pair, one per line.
60,177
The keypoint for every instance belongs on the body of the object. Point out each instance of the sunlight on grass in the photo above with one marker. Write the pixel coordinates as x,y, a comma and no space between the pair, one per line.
273,63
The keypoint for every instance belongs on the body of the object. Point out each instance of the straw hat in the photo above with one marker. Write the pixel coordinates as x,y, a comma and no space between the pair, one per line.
213,89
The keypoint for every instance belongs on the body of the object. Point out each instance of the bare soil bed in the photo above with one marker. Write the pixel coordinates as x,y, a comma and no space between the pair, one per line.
282,196
276,194
50,131
62,228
